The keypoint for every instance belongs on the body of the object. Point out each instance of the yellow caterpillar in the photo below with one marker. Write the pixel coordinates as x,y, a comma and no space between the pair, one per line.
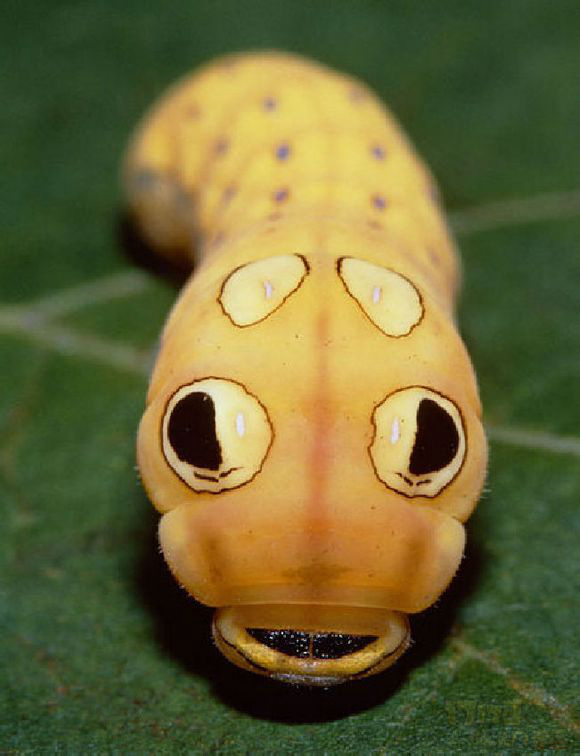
312,436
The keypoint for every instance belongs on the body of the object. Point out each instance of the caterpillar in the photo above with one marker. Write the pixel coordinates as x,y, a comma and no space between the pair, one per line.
312,436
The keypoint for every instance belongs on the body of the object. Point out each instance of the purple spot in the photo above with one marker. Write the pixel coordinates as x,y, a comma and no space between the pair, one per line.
229,192
379,202
281,195
433,194
434,257
192,111
378,152
356,95
283,151
222,146
269,103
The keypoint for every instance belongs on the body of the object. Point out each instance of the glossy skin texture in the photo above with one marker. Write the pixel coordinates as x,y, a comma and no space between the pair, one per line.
312,435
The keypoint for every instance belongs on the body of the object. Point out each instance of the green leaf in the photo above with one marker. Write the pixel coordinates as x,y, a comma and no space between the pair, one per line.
101,650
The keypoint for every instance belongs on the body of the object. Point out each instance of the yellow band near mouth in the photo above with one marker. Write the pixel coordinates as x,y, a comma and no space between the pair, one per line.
308,652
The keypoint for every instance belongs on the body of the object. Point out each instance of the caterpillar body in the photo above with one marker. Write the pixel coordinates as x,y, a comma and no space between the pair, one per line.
313,435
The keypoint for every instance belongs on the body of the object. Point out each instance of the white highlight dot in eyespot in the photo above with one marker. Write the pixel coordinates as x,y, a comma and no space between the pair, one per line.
388,299
240,424
255,290
395,431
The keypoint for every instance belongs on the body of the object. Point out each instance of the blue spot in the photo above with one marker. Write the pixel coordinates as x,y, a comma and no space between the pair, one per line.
379,202
222,146
145,180
283,152
269,103
281,195
378,152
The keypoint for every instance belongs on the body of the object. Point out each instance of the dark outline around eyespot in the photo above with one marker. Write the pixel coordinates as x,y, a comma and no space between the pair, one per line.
164,413
359,305
235,270
463,427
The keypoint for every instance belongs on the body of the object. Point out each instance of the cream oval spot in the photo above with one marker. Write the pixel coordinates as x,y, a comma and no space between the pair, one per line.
254,291
389,300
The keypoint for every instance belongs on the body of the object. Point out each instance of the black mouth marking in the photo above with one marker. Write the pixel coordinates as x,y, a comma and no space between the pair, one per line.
414,482
206,477
313,680
304,645
228,472
214,479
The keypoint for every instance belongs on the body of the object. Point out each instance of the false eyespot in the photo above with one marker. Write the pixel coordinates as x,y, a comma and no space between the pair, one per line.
419,441
388,299
255,290
215,434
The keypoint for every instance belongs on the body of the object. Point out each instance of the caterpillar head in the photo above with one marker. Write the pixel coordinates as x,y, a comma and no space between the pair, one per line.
312,470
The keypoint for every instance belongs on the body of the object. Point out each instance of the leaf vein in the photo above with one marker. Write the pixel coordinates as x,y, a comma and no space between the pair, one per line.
530,692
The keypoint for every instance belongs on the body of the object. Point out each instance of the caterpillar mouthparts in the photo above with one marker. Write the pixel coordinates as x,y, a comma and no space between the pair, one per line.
305,652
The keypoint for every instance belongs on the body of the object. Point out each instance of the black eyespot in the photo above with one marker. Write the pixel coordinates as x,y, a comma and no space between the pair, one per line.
192,433
436,441
215,434
419,443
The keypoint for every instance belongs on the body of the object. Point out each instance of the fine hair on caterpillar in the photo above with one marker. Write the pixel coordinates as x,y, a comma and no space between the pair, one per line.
312,437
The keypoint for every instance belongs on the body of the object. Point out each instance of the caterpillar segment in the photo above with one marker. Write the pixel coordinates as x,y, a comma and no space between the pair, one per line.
312,436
